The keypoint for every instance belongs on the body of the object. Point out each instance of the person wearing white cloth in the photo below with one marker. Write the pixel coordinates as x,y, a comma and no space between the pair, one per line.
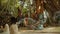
14,29
6,29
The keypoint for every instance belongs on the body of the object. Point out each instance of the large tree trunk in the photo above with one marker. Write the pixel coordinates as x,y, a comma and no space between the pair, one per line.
52,6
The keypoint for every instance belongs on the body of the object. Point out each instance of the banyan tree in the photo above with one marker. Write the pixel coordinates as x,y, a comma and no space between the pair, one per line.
53,7
35,10
9,6
8,9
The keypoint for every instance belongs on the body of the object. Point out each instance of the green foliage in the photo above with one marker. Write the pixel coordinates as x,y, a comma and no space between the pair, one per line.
10,5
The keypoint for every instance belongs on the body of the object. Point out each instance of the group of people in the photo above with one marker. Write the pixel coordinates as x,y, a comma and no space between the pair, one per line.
9,28
13,29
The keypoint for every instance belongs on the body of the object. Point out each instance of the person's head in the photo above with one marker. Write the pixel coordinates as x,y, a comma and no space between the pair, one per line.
26,15
13,20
